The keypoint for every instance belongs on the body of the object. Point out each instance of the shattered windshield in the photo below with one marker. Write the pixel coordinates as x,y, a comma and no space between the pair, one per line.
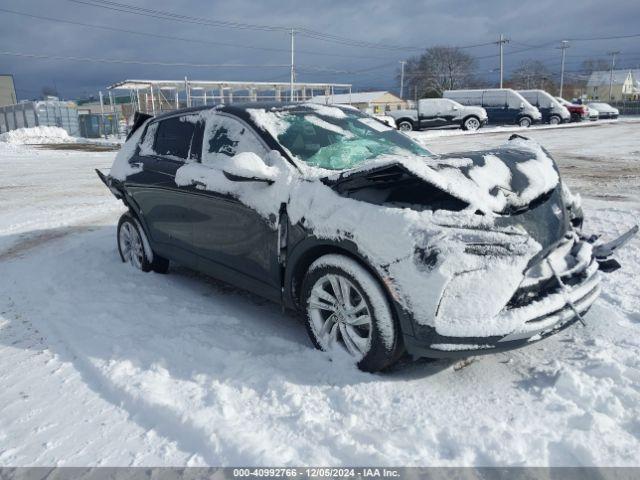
341,140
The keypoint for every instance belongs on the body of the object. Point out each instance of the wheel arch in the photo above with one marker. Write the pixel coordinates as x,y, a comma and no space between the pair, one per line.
308,251
468,116
406,119
524,115
305,254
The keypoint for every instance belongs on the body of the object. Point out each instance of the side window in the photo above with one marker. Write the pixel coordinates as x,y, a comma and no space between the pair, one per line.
494,99
544,101
226,137
515,100
173,137
146,145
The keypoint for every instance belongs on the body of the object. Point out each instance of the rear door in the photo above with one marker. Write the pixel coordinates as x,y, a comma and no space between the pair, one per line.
167,145
428,113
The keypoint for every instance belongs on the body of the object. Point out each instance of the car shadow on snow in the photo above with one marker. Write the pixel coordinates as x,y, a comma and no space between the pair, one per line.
184,322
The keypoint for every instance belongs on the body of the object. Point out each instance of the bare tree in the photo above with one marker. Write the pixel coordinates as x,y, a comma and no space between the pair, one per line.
438,69
532,74
48,91
594,65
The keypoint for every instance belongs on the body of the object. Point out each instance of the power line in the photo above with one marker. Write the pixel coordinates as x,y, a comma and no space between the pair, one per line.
138,62
183,39
314,34
164,15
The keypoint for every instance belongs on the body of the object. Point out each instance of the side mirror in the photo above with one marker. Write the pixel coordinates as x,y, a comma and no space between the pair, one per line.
521,105
248,167
454,108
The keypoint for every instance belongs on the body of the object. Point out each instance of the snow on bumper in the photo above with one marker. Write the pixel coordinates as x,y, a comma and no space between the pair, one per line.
512,299
537,303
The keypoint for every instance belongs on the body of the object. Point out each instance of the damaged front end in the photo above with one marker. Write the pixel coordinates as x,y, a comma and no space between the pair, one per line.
492,269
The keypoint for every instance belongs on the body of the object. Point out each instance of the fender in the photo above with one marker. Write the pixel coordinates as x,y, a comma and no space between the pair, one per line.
309,248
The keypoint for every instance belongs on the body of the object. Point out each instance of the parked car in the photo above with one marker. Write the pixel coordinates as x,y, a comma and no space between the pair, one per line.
604,109
438,113
503,106
553,112
593,114
382,245
578,112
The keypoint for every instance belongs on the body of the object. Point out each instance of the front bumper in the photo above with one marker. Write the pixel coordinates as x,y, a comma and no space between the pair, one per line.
555,292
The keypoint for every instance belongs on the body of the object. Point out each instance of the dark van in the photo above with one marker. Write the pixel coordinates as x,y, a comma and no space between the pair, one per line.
504,106
553,112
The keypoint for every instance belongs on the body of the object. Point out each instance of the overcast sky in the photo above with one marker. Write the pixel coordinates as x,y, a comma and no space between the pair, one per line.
413,24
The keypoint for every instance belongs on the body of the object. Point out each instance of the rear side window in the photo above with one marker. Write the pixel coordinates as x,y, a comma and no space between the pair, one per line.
468,98
225,137
173,137
494,99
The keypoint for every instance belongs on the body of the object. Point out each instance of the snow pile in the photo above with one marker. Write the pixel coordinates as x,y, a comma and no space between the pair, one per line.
36,135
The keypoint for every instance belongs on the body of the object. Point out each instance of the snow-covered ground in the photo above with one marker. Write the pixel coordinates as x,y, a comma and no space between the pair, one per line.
104,365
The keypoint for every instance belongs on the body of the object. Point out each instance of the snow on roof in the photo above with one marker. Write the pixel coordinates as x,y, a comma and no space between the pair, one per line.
603,77
360,97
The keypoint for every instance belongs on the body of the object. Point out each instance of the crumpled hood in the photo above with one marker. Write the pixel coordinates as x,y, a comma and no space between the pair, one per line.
500,181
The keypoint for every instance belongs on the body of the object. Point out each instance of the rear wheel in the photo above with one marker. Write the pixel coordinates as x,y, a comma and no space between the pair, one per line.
471,123
134,248
347,308
555,120
525,122
405,125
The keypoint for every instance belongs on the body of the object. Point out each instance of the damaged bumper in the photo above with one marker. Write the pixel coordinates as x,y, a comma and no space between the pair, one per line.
556,291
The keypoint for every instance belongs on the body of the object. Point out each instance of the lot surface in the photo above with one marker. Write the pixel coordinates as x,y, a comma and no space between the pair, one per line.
104,365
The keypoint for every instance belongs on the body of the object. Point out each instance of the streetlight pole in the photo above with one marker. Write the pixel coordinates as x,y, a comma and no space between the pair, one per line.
563,46
402,64
613,64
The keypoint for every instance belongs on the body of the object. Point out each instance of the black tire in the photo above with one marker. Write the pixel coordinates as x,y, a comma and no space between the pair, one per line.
471,123
383,342
555,120
525,122
138,259
405,125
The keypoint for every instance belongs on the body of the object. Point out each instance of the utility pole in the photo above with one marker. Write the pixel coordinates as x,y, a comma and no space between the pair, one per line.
293,71
402,64
613,64
501,43
101,125
563,46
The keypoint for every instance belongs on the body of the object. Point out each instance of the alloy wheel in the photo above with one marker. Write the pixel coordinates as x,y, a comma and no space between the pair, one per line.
339,315
405,127
472,124
131,245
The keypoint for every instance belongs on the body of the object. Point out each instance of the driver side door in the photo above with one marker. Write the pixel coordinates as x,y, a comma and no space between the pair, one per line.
232,240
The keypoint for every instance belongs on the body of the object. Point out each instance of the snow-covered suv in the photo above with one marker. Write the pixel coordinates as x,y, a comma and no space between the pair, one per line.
382,245
438,113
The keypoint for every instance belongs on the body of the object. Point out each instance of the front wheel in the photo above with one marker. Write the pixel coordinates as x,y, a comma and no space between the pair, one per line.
347,308
525,122
405,126
471,123
555,120
134,248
